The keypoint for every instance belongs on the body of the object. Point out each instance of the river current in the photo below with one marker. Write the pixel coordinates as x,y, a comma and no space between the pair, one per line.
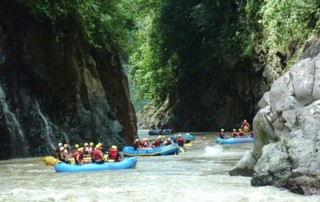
199,174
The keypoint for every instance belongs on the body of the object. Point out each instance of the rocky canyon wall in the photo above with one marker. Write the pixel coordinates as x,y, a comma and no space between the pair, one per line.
54,88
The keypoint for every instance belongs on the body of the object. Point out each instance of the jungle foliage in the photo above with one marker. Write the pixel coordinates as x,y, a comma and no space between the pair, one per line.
104,24
174,45
187,44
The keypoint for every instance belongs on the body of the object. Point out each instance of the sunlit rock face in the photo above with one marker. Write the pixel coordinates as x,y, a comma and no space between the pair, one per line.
53,88
287,129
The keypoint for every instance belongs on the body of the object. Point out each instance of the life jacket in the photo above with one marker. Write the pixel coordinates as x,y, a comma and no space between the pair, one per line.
81,155
157,143
241,133
113,153
180,141
142,143
74,154
234,134
62,156
221,135
96,154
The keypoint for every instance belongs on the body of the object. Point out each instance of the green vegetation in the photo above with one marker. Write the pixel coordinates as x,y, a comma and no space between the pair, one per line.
173,45
105,23
189,45
195,44
288,23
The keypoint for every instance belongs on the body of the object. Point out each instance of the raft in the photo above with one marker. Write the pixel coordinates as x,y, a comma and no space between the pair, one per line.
186,136
160,132
163,150
234,140
126,163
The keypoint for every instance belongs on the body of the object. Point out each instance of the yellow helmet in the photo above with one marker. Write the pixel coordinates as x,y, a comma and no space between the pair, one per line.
169,139
80,149
97,147
60,144
65,146
179,135
100,144
91,144
114,147
159,137
85,144
76,146
188,133
234,130
222,129
136,140
240,129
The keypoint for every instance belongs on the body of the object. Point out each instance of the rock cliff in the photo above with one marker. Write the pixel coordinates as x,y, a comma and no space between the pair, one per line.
286,148
54,88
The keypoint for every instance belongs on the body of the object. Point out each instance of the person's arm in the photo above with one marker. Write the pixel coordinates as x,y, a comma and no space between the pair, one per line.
78,159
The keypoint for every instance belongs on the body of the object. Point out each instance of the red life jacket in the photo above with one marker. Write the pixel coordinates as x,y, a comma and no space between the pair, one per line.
96,154
81,155
157,143
113,153
241,133
180,141
74,154
142,143
234,134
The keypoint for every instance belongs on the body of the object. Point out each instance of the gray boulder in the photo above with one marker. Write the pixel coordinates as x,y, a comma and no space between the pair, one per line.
286,130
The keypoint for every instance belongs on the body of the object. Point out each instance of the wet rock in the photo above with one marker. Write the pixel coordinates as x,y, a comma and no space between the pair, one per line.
245,166
304,185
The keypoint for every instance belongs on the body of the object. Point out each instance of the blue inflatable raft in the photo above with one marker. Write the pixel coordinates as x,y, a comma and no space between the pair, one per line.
234,140
160,132
125,164
186,136
163,150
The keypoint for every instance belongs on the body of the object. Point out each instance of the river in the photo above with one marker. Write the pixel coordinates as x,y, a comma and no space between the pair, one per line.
200,174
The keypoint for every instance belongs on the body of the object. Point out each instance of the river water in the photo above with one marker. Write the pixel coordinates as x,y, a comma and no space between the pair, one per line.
200,174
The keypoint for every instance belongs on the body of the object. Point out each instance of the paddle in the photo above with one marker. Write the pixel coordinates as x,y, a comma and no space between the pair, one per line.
221,141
